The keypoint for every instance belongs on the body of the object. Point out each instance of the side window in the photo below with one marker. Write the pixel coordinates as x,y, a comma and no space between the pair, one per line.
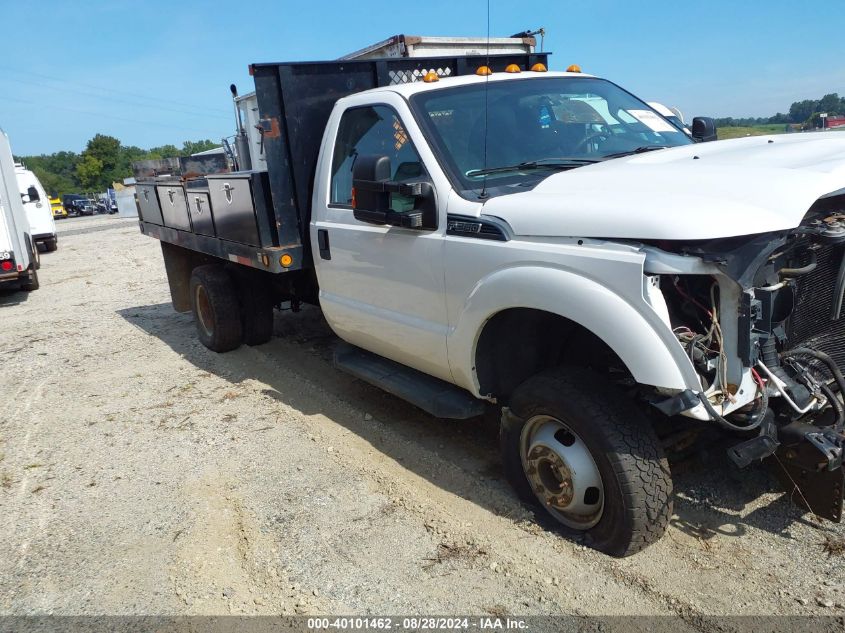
373,130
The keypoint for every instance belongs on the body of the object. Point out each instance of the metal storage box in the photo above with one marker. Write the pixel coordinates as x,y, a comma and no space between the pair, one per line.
174,209
199,207
241,207
148,207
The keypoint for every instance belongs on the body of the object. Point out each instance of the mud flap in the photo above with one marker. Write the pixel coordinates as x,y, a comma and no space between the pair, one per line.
805,474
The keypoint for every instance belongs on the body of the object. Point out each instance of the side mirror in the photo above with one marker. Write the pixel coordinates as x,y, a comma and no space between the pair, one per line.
372,190
368,171
32,192
703,129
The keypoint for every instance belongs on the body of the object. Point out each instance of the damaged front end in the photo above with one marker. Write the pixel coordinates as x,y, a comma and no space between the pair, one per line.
763,322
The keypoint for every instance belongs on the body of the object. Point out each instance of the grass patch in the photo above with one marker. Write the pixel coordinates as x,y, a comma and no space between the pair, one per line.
755,130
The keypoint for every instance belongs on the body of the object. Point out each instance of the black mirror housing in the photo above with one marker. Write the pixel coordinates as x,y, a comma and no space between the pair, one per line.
368,170
372,189
703,129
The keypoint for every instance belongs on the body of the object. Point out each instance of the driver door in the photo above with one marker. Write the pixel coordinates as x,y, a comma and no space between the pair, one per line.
381,287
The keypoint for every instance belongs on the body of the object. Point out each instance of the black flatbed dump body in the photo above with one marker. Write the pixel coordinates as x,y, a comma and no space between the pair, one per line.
260,219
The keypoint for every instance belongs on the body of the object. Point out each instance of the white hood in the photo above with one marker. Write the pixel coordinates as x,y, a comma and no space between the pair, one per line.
703,191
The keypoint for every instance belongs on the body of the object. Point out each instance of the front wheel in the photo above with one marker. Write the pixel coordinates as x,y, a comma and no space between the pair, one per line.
575,445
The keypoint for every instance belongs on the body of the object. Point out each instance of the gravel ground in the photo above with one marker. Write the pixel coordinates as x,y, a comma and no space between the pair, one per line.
141,473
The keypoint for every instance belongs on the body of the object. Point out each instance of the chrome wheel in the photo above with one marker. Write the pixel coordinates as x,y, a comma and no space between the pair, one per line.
561,472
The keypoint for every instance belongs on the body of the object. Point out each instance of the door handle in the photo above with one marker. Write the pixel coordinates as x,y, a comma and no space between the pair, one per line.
227,190
323,243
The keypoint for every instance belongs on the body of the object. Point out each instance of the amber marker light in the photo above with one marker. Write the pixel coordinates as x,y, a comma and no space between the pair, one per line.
430,77
483,71
574,68
539,68
286,260
512,68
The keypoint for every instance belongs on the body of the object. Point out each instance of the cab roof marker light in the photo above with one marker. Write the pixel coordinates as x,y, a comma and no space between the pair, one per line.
483,71
538,68
430,77
573,68
513,68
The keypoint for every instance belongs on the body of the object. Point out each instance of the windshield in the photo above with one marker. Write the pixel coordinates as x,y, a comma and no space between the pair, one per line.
535,127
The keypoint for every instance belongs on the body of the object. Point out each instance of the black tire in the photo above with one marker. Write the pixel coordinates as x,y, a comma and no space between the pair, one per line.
256,314
52,244
214,302
32,283
635,476
35,255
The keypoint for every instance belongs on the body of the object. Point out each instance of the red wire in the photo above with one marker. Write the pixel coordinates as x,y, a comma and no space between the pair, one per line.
758,378
688,298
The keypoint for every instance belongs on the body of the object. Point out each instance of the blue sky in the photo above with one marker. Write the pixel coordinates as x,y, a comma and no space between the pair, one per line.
151,72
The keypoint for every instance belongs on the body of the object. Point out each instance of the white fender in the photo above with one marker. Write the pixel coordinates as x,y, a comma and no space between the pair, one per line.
636,333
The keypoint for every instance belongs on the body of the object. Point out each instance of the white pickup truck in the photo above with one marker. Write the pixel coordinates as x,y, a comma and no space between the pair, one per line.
19,259
485,234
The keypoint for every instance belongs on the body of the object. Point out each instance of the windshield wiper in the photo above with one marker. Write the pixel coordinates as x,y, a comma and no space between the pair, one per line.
543,163
637,150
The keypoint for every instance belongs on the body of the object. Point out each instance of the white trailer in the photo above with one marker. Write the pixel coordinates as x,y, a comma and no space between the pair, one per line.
18,254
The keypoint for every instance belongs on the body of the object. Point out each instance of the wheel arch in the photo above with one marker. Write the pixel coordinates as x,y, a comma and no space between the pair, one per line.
545,304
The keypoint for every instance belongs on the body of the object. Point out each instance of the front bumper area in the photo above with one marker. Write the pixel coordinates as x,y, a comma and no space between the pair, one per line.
810,469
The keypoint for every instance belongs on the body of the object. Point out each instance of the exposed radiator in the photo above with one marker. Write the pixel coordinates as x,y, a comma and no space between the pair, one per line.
810,324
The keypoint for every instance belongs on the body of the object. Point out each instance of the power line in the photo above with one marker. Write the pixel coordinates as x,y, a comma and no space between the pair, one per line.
117,99
101,115
95,87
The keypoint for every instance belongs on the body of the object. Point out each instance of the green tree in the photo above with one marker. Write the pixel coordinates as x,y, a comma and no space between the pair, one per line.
164,151
55,184
194,147
105,149
830,104
89,171
800,111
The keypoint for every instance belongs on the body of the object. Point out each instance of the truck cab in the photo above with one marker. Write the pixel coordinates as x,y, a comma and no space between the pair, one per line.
57,208
19,260
39,211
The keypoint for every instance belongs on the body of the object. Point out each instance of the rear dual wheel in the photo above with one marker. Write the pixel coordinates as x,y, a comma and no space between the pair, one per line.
225,317
214,301
32,282
578,448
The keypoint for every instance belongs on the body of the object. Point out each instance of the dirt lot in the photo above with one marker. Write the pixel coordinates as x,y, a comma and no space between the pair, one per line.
142,473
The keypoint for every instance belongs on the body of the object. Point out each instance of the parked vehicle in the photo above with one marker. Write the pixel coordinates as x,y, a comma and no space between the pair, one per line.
57,208
19,259
674,116
484,233
69,201
84,207
38,210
